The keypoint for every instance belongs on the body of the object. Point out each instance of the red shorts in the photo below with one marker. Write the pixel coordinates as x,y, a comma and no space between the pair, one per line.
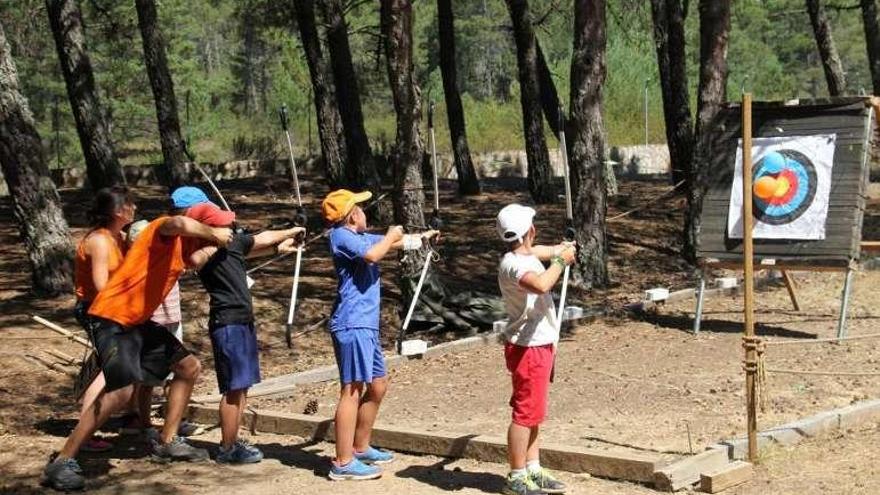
530,369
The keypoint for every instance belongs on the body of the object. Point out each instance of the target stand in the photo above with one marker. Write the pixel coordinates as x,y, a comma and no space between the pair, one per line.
809,174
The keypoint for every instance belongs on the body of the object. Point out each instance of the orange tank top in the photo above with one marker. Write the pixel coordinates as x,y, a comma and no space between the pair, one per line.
85,284
150,269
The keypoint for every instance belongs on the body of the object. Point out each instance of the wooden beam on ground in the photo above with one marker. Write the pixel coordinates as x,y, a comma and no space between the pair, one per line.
683,295
52,366
790,287
621,464
70,360
735,473
806,265
870,245
686,472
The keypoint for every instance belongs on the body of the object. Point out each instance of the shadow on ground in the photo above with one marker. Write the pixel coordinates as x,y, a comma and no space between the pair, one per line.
685,323
438,476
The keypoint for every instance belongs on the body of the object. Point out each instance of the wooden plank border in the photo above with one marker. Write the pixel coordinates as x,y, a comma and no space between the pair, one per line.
639,467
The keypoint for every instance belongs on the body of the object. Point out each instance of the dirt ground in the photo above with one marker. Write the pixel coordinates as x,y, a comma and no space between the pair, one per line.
646,384
643,384
843,464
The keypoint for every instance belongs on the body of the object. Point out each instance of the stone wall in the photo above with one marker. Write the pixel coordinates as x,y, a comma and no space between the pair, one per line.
627,161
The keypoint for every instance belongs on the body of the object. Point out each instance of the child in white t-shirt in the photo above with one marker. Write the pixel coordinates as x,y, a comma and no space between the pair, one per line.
531,333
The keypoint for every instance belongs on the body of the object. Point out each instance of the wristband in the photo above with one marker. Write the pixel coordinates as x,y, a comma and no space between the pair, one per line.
411,242
558,260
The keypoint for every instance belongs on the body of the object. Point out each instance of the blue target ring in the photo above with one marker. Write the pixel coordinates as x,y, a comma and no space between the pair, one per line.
800,175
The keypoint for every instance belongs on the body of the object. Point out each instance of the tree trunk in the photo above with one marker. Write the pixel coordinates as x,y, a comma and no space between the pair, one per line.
587,134
549,97
249,57
330,132
173,146
669,38
827,50
362,166
540,172
35,200
872,40
406,156
714,31
468,183
92,122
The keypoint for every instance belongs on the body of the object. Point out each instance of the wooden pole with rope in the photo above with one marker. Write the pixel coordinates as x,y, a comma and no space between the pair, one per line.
750,343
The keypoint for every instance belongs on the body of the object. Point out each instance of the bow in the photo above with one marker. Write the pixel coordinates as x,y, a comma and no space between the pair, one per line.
435,223
569,217
300,220
569,230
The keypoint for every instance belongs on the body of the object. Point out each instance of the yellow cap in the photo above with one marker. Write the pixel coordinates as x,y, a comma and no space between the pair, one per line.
339,203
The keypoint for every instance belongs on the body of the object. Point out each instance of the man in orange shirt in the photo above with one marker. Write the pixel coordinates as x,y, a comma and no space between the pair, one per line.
131,348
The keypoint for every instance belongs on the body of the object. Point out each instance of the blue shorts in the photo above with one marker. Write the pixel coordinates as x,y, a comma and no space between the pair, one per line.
358,355
236,359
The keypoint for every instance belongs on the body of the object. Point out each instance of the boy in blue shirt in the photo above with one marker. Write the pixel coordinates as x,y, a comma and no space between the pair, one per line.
354,328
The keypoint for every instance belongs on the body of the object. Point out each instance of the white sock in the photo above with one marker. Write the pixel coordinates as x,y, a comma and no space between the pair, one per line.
533,466
518,473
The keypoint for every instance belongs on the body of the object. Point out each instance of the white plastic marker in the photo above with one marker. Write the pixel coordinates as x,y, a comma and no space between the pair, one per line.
300,220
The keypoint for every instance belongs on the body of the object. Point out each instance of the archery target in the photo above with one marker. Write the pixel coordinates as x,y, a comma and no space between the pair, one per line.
791,181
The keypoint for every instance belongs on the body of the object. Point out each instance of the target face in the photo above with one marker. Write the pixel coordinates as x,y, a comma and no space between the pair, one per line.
784,186
791,183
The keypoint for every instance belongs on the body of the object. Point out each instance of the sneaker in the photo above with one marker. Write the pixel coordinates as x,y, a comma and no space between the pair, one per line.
187,429
63,475
96,445
547,482
177,450
522,485
354,470
241,452
374,456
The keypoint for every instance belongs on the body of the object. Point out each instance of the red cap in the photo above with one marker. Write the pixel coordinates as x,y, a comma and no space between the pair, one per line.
211,215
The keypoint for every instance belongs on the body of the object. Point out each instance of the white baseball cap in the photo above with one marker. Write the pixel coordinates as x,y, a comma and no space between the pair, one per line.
514,221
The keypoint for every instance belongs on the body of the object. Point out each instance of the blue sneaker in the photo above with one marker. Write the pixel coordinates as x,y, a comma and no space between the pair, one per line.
374,456
354,470
63,475
241,452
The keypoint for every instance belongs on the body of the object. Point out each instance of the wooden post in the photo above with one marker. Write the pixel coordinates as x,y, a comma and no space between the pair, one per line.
792,293
749,278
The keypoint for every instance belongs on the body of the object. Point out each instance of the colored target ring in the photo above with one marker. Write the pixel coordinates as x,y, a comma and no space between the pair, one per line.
787,186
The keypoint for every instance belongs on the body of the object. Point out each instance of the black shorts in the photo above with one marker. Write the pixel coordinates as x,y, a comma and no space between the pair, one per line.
139,354
81,313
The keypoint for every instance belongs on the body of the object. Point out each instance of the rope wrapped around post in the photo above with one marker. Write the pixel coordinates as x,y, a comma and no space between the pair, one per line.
754,343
